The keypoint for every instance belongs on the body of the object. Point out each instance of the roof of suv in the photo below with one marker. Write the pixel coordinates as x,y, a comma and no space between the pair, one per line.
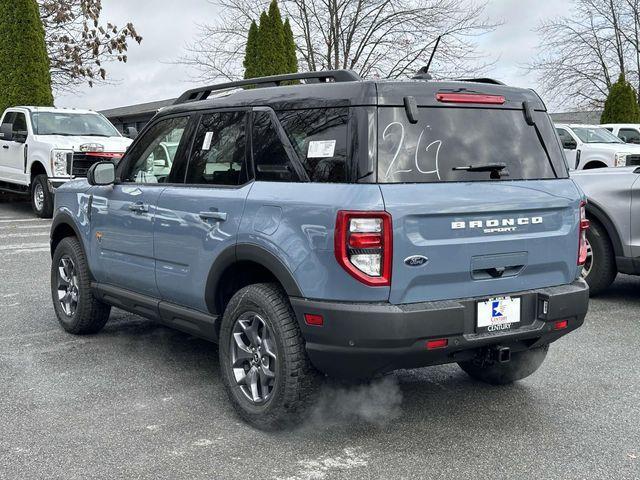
351,92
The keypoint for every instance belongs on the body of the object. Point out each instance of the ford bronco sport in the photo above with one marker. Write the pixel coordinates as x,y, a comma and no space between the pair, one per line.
334,226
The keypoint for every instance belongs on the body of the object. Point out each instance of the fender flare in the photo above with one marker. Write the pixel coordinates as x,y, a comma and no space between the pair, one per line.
252,253
63,218
598,213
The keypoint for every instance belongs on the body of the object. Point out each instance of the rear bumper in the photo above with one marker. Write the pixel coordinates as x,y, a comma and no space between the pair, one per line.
364,339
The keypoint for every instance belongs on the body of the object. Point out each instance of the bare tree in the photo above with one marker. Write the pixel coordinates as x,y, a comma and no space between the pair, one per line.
79,44
581,55
376,38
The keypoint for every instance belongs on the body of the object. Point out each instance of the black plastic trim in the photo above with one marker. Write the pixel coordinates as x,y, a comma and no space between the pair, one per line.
62,218
251,253
365,339
181,318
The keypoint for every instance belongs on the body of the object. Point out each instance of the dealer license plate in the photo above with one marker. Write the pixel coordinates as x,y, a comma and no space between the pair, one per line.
498,314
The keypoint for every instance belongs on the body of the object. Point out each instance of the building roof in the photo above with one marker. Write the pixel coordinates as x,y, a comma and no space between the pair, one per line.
139,109
589,117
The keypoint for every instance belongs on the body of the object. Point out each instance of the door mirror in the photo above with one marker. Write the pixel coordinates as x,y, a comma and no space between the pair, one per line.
102,173
131,132
6,132
569,144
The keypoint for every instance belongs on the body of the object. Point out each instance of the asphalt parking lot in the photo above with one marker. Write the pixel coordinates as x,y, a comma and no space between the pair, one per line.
141,401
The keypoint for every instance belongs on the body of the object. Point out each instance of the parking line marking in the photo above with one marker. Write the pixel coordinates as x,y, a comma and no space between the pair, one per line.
7,220
24,235
23,227
23,246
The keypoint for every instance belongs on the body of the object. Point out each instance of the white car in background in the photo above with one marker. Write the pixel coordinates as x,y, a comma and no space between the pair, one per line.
627,132
592,146
42,148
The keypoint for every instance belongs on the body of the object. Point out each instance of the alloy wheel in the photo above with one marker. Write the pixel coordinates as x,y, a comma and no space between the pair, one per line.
253,357
38,196
68,292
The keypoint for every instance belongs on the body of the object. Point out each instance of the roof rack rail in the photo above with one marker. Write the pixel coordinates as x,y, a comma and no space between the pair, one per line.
203,93
480,80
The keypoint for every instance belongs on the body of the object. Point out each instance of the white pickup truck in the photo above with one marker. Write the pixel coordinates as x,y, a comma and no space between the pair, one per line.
592,146
41,148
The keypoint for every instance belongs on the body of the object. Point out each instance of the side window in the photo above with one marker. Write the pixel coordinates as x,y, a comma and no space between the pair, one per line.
319,137
218,156
269,155
629,135
152,157
19,123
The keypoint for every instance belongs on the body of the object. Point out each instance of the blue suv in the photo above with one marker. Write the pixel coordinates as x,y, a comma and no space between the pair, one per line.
319,224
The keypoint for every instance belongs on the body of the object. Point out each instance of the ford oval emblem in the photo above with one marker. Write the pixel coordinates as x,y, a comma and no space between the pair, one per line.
416,261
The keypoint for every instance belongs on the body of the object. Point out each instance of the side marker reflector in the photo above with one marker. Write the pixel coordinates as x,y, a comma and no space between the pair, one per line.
314,320
435,344
561,324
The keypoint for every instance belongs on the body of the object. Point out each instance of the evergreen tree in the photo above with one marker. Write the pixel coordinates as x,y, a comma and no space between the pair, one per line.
271,49
24,64
621,105
251,54
290,48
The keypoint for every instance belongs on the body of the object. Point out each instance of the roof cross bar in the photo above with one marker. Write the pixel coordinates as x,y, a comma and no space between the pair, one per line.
203,93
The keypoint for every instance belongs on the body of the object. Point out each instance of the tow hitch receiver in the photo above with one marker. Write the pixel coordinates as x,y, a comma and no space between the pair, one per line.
502,354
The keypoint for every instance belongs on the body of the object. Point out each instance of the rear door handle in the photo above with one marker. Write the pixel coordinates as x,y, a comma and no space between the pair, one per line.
6,147
139,207
222,216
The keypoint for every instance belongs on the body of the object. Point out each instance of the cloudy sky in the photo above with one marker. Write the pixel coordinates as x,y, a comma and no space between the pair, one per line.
168,25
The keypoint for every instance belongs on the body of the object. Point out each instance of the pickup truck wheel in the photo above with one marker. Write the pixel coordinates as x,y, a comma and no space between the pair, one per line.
264,364
41,197
600,269
78,311
521,365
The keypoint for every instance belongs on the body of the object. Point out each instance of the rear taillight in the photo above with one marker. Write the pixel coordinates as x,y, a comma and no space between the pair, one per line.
470,98
582,239
363,246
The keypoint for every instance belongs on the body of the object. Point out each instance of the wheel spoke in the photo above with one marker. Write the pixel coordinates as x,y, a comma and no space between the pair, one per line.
252,380
251,331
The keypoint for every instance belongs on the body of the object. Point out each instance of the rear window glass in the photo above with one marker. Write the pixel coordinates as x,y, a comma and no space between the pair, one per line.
319,137
446,138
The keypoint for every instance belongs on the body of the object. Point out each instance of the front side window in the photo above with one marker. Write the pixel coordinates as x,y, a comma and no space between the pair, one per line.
595,135
629,135
219,150
446,142
270,158
72,124
151,159
319,137
19,123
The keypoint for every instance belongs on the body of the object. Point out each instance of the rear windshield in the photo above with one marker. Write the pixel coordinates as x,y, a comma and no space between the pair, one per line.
446,138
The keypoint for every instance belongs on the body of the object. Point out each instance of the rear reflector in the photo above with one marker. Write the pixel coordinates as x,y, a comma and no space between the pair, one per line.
583,226
561,324
435,344
470,98
315,320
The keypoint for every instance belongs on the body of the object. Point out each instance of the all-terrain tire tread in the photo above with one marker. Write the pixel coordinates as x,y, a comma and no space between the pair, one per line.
91,314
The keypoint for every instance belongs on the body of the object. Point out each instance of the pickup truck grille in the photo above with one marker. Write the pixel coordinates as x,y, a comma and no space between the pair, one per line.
633,160
83,161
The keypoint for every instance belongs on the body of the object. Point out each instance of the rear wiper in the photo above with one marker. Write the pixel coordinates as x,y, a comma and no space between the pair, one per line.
496,169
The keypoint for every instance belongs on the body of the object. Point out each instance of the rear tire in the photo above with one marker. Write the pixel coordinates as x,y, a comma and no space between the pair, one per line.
78,311
270,380
521,365
600,269
41,197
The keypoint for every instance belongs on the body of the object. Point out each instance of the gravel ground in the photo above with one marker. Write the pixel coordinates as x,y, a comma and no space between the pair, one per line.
141,401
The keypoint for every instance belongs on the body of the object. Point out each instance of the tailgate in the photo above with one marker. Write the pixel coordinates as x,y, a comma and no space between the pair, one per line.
481,238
